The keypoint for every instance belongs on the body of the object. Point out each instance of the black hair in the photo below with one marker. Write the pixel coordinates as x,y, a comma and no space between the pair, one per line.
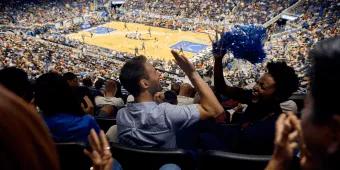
16,80
325,78
99,83
53,95
69,76
131,73
170,97
87,82
175,87
286,81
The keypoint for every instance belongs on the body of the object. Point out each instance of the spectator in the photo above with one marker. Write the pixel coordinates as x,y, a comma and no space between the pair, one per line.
170,97
185,94
108,103
320,116
20,123
82,93
147,124
61,110
16,80
257,123
175,87
25,141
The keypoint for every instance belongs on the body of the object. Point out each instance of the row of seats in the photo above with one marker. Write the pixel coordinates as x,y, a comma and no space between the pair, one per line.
131,158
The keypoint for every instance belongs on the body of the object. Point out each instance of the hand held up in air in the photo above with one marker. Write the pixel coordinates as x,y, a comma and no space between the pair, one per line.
218,50
184,63
100,155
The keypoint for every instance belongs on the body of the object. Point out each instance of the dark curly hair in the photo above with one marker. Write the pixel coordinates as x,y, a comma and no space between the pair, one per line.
286,81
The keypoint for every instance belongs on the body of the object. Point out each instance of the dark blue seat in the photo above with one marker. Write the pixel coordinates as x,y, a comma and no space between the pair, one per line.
131,158
215,160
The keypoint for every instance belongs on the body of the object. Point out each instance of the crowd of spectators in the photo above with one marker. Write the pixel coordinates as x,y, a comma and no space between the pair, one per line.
290,46
154,101
32,14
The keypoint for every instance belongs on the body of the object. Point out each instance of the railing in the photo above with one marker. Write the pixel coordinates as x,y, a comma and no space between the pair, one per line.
273,20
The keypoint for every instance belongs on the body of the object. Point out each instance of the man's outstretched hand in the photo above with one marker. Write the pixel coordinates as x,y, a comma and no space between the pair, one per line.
184,63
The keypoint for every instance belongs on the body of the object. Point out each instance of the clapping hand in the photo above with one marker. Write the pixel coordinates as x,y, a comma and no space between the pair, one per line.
184,63
288,138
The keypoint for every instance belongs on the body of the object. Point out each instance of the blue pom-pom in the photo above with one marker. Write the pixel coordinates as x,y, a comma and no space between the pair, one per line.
245,42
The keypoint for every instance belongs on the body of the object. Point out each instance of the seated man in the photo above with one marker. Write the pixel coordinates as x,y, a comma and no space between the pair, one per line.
147,124
109,104
185,94
257,124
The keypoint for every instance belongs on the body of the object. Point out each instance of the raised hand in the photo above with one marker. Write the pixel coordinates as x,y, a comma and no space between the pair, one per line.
100,155
183,63
217,47
286,137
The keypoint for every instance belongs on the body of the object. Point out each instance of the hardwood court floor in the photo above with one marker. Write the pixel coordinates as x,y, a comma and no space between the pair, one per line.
156,46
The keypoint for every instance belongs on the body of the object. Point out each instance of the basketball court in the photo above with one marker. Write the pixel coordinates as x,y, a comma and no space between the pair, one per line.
153,42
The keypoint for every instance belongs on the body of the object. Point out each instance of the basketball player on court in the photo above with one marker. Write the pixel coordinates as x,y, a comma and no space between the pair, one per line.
136,51
143,47
83,37
125,26
149,30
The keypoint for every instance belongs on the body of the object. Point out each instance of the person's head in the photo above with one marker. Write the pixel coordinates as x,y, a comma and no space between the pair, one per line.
186,90
321,114
53,95
111,86
170,97
175,87
25,142
87,82
99,83
277,84
71,79
16,80
138,76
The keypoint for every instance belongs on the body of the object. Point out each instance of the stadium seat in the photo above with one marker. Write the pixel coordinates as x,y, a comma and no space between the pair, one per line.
72,157
105,123
225,160
131,158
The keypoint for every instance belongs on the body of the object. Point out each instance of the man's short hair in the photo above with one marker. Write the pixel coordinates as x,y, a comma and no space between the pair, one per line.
325,79
131,73
286,81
